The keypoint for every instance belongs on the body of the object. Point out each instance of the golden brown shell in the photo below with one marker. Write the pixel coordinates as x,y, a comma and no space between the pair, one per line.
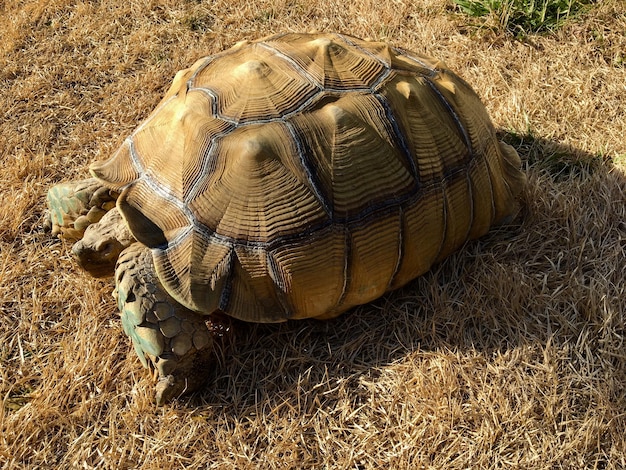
300,175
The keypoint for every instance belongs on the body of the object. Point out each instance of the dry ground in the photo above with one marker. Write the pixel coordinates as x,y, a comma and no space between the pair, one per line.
510,354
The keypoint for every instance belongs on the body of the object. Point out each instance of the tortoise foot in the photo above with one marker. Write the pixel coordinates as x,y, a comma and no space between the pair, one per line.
171,339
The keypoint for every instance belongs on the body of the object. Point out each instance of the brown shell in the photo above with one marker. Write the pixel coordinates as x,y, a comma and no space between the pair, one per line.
303,174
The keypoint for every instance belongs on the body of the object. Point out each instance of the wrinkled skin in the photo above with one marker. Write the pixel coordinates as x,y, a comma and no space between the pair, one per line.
101,245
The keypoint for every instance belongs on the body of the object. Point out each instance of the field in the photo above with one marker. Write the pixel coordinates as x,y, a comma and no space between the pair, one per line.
509,354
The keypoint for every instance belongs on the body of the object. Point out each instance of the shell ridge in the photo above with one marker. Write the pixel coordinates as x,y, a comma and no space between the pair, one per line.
280,278
277,241
414,58
308,102
192,79
301,71
491,188
453,113
444,216
347,259
215,107
382,78
224,265
348,40
309,171
211,93
228,284
207,162
485,169
400,135
282,282
470,196
486,172
451,215
398,265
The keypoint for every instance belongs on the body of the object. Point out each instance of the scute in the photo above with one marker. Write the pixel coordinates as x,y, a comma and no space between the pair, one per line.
253,83
332,61
302,174
354,151
374,255
259,190
435,136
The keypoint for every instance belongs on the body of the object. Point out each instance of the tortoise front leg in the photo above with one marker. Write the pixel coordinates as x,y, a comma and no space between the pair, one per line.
72,207
174,339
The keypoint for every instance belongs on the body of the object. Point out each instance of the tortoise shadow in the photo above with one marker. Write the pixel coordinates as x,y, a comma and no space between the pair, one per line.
535,282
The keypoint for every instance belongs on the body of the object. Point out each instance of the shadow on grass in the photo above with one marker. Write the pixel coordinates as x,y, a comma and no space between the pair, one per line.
551,278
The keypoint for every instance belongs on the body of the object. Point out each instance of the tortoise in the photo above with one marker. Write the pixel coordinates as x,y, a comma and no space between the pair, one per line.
290,177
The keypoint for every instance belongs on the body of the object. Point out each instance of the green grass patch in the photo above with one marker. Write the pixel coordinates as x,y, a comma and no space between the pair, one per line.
521,17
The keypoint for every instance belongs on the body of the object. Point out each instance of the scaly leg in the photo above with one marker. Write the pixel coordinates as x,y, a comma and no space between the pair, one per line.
174,339
72,207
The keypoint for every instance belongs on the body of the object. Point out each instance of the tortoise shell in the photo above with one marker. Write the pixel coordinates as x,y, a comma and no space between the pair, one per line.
302,174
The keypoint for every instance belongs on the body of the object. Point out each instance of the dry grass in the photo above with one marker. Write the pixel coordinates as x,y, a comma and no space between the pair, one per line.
508,355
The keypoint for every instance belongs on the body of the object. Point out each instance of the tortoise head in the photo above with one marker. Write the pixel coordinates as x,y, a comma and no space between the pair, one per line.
98,250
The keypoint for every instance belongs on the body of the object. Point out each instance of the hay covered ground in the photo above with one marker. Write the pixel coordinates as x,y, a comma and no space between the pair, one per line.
510,354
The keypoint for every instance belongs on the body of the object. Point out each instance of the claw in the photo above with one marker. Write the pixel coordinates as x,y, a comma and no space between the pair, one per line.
168,388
